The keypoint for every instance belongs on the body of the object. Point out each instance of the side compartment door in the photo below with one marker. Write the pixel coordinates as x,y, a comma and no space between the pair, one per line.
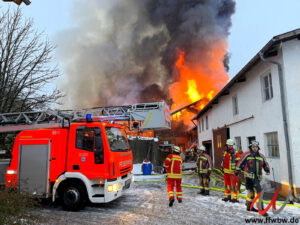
34,167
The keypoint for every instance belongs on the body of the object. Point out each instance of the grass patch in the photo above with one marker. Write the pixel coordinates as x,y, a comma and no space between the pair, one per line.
14,208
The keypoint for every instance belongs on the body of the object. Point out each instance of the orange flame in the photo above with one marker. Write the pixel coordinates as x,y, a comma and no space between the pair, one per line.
196,81
192,91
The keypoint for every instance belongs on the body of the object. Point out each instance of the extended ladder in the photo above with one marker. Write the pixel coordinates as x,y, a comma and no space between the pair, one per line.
153,116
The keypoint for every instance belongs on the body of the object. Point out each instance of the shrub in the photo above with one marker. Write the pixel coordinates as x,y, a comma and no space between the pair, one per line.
14,206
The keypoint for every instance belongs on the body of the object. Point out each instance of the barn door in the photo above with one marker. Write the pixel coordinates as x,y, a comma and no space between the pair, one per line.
220,136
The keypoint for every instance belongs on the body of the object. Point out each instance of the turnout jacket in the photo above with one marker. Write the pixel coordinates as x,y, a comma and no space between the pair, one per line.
173,165
204,163
230,160
252,165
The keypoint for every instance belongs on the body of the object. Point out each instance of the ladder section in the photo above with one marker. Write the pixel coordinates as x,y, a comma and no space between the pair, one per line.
13,122
153,116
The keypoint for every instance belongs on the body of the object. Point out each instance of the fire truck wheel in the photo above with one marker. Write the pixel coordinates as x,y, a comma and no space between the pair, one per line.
73,197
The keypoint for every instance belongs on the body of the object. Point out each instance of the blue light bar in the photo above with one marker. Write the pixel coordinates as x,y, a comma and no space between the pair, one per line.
88,117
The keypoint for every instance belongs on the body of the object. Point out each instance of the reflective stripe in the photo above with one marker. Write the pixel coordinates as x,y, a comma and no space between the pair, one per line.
172,175
203,157
172,166
203,171
228,171
176,159
249,175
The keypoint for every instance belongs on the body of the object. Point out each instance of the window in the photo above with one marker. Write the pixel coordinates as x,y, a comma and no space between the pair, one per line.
85,138
199,125
202,124
238,143
272,144
89,139
235,105
206,119
267,87
117,139
250,139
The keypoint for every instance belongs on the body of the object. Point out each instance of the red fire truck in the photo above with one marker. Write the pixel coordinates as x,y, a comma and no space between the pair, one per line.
77,156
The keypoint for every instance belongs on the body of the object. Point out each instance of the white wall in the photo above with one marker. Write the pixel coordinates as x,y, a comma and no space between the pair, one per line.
267,116
291,59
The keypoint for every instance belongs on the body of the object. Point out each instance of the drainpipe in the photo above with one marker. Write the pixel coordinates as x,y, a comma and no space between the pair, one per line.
284,117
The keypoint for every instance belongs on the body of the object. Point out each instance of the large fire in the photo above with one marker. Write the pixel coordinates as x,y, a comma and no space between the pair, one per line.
198,81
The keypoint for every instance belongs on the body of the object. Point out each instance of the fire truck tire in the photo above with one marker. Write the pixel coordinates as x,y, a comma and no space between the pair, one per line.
74,196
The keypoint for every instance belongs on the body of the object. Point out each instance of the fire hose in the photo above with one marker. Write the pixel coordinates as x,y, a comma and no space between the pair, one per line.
217,189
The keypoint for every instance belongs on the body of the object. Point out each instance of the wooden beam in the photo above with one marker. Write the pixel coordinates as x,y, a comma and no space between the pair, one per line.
226,92
241,79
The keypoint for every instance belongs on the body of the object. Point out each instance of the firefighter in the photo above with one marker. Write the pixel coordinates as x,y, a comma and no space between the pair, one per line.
252,164
204,166
173,165
190,152
228,165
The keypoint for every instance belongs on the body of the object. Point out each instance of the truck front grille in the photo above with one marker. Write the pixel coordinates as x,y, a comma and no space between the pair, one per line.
125,170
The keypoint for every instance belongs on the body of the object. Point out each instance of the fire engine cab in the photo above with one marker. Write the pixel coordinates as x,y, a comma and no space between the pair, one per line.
76,156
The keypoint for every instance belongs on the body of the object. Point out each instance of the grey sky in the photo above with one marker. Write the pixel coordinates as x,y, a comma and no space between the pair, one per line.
254,23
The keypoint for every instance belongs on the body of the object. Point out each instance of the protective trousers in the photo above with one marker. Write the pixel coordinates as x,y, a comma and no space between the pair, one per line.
204,182
253,186
174,182
231,186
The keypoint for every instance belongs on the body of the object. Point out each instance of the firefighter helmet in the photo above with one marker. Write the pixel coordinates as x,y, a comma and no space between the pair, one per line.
230,142
202,148
254,143
176,149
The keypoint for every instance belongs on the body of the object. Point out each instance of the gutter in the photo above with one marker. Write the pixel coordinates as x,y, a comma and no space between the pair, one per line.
284,116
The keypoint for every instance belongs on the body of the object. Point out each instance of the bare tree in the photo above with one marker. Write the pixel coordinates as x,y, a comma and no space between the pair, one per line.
25,65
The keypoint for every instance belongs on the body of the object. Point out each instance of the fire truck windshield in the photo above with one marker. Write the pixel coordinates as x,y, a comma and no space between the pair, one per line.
117,139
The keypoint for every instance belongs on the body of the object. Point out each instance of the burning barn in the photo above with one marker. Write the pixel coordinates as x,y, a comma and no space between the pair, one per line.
145,51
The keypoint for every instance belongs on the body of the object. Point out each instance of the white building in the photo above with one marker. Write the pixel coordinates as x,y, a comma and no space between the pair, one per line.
255,105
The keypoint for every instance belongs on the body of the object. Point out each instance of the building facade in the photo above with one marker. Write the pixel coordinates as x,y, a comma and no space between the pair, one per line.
261,103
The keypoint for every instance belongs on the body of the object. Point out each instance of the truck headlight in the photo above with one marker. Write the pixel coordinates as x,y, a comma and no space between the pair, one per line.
113,187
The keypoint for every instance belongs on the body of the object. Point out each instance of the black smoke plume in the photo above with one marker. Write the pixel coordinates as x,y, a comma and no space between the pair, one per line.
123,51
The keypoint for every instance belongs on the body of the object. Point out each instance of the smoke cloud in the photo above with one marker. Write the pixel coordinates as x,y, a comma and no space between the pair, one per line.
123,51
